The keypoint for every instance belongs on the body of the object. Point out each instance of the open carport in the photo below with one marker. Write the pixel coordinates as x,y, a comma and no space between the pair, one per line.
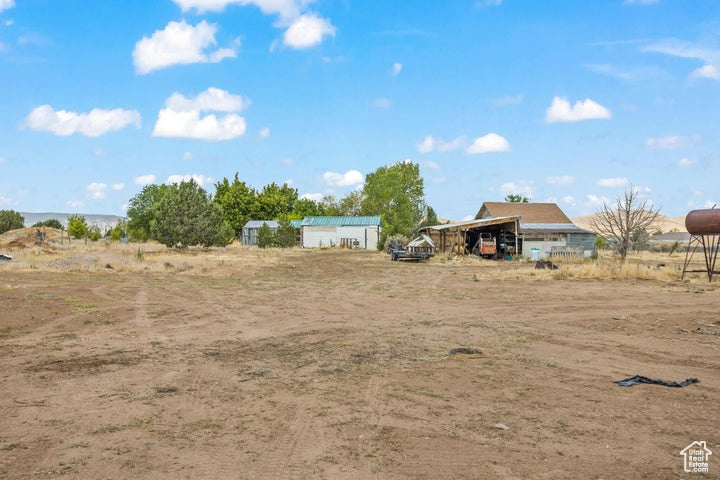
461,237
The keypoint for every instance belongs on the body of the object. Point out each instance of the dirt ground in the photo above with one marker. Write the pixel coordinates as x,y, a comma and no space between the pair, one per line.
337,364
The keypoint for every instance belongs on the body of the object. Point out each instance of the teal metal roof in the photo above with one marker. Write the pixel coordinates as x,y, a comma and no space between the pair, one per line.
340,221
296,223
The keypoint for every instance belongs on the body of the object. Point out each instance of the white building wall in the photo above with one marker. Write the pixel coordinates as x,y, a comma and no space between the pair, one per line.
315,237
544,247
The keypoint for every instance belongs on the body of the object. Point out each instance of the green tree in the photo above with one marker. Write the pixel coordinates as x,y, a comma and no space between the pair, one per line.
304,207
119,230
276,201
77,226
94,233
265,236
430,218
10,220
351,204
186,216
396,193
50,223
141,211
286,234
330,206
239,202
517,199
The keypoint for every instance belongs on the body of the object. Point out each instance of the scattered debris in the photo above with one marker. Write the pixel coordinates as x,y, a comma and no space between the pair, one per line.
168,390
638,379
620,316
540,264
465,351
501,426
704,331
5,256
108,266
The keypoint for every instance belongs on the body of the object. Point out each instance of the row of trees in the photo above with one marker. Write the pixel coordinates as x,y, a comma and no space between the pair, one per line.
184,214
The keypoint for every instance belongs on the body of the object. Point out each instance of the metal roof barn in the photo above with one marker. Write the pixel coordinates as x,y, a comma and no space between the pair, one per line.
350,232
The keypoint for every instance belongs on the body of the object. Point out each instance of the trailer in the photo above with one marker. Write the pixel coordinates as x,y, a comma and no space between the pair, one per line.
422,248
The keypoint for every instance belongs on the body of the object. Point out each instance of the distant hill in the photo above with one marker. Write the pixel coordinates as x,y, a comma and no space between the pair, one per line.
665,224
104,222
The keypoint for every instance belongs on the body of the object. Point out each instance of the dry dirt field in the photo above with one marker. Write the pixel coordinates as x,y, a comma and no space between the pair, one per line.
336,364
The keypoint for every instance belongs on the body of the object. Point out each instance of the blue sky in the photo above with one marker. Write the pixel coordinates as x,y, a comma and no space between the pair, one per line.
563,101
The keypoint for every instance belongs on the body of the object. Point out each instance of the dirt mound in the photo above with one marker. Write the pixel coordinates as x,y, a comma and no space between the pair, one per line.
28,237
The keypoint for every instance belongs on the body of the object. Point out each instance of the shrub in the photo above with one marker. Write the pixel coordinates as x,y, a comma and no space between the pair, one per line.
10,220
77,226
266,237
51,223
286,235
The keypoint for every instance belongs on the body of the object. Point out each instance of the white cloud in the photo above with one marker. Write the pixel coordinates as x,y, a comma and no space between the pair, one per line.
199,179
118,186
213,98
307,31
144,179
287,161
508,100
521,187
381,102
560,111
265,132
671,142
431,165
707,71
440,180
284,8
288,182
560,180
179,44
181,118
188,156
710,56
569,199
93,124
467,218
96,191
710,204
3,160
75,204
431,143
492,142
612,182
347,179
7,200
6,4
686,162
596,201
397,68
315,197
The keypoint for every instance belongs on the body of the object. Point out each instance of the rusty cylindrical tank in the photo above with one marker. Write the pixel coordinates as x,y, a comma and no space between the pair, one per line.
703,222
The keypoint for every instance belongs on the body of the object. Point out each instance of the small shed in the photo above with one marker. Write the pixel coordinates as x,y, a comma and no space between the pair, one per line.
250,230
350,232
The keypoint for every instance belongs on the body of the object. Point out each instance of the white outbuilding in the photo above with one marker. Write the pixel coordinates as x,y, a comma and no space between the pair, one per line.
350,232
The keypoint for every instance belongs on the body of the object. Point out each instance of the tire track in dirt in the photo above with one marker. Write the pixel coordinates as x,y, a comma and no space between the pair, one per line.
373,393
141,311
